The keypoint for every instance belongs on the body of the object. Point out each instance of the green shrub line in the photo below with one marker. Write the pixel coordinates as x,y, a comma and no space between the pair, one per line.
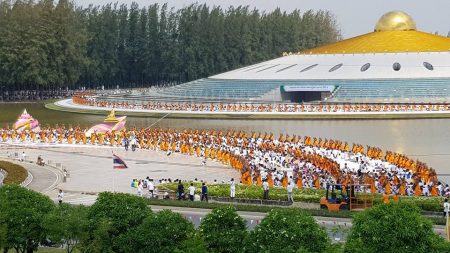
264,209
433,204
245,208
16,173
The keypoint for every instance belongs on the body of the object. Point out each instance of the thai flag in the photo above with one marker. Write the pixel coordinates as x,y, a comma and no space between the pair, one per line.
118,163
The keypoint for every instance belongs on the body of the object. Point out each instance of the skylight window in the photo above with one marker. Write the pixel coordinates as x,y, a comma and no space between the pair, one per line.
428,66
308,68
365,67
335,67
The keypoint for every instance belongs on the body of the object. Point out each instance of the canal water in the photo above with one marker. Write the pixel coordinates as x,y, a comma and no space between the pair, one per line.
425,139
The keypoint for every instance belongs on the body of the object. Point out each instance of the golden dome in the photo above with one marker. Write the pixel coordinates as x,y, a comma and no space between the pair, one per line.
395,21
395,32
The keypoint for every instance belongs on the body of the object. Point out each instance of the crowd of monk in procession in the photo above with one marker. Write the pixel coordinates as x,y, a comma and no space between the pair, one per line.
307,162
258,107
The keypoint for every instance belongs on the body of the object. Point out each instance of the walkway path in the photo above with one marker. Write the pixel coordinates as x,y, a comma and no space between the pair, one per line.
90,168
68,105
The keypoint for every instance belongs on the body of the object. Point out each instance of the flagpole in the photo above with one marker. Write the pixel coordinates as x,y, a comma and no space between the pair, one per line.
114,180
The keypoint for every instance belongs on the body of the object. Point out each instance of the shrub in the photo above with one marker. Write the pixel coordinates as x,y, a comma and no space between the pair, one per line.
304,195
16,173
223,230
66,224
23,212
253,192
393,227
288,230
161,232
112,215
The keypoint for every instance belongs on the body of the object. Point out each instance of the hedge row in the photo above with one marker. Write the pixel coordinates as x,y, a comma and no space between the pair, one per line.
434,204
264,209
16,173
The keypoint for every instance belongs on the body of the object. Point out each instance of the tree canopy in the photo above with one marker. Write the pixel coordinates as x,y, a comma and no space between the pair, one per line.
56,45
393,228
23,212
223,230
66,224
161,232
110,218
292,230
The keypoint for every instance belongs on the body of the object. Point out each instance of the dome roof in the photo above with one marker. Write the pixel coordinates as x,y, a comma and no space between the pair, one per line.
395,21
395,32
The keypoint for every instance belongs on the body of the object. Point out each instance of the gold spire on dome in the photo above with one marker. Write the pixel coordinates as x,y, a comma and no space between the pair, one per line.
395,21
111,118
395,32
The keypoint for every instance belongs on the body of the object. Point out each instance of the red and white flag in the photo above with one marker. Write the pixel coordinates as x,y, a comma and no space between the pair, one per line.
118,163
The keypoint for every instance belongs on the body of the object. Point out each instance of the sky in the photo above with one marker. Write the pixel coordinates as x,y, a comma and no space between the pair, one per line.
354,17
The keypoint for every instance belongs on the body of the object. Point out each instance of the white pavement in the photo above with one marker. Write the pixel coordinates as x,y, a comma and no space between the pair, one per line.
90,168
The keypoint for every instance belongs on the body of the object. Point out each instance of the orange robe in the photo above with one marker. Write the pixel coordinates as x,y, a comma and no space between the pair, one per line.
434,191
385,198
387,189
418,190
299,183
285,182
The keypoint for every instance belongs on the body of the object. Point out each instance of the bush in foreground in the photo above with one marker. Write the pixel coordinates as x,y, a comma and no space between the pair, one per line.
223,230
23,212
393,228
288,230
110,218
66,225
160,232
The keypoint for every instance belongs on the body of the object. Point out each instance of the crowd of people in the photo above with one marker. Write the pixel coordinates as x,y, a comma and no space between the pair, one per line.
262,158
89,99
26,95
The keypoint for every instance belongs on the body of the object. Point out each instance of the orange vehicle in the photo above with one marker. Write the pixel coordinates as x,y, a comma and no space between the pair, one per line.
354,197
332,201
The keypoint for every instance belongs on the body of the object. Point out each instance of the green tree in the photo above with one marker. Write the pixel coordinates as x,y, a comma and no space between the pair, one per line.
223,230
3,232
112,215
393,228
288,230
66,224
23,211
161,232
194,244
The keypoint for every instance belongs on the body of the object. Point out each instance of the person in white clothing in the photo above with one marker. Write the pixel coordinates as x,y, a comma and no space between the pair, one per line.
60,196
265,186
232,189
191,192
151,188
139,189
290,189
446,208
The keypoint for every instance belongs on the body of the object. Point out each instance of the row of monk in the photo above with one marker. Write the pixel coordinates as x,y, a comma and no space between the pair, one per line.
261,107
307,162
